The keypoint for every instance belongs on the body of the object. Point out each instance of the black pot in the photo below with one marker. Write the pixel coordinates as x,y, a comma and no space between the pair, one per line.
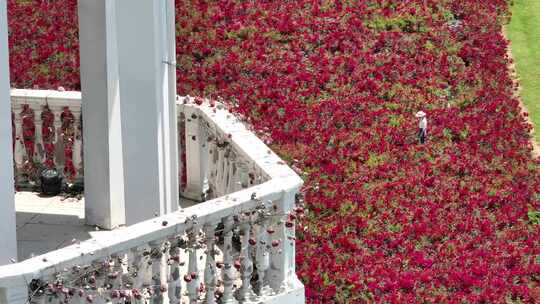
51,182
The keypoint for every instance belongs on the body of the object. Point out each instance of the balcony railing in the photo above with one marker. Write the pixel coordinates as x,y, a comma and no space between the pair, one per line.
238,246
47,132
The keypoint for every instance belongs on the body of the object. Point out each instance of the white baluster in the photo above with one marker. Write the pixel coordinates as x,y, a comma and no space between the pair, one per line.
227,175
181,146
262,261
135,263
99,282
144,274
228,271
235,183
233,178
246,270
242,176
19,146
146,269
126,279
259,177
205,156
40,152
276,270
210,268
139,266
165,269
115,278
230,182
193,271
58,139
226,163
28,115
175,279
212,167
157,260
77,145
220,172
282,274
229,172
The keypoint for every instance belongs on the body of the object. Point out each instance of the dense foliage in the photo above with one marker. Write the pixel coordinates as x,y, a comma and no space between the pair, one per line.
334,85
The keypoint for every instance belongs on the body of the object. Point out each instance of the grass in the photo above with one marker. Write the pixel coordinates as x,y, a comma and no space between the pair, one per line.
524,33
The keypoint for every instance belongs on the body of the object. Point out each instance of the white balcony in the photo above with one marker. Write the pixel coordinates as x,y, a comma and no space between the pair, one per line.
236,246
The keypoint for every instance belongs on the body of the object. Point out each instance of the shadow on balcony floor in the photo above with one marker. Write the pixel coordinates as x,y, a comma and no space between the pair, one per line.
48,223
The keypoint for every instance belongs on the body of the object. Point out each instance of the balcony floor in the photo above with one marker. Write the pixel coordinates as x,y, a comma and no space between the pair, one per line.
48,223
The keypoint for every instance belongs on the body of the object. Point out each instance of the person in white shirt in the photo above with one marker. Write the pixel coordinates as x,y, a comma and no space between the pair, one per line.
422,126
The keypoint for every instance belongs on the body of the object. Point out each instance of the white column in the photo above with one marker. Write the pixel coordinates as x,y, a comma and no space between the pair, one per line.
146,43
102,133
8,241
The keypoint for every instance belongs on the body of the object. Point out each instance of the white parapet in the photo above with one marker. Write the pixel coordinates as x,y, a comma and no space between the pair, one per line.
191,255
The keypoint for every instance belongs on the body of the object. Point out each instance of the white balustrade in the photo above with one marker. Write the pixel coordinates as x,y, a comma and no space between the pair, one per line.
212,166
42,102
177,258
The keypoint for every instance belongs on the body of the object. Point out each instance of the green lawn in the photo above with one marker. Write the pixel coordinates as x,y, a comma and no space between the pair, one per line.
524,32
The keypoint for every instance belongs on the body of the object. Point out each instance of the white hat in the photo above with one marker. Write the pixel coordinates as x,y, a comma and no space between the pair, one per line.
420,114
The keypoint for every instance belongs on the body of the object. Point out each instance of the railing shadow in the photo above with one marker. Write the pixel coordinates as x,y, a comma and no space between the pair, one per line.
40,233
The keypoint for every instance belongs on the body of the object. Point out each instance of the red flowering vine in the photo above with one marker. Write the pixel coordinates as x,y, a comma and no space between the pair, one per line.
48,136
68,135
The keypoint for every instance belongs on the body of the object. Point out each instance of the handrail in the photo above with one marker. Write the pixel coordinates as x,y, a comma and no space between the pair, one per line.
119,240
